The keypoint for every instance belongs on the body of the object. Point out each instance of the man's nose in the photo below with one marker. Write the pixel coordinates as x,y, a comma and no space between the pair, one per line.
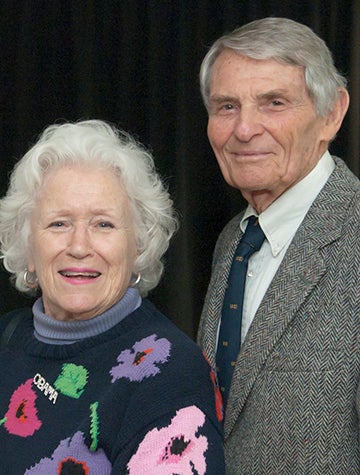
248,124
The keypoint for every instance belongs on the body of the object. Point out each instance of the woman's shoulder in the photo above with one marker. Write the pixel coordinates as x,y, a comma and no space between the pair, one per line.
181,357
10,321
169,363
164,326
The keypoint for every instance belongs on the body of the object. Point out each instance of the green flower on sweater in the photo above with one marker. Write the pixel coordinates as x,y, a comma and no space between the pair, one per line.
72,380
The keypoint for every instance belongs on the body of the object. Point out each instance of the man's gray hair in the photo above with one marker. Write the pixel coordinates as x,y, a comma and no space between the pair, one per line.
288,42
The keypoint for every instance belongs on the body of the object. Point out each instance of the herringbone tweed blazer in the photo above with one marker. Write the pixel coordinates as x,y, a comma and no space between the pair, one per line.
294,403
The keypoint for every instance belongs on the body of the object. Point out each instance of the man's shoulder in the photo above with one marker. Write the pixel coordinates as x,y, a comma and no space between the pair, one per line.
343,176
341,193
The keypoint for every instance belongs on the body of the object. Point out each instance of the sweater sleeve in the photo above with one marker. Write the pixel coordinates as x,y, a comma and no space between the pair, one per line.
184,442
173,420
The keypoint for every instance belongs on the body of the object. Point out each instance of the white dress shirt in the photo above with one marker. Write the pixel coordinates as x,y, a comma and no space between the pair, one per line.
279,222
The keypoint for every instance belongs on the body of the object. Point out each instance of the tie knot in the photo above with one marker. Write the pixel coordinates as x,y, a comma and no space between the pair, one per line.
254,236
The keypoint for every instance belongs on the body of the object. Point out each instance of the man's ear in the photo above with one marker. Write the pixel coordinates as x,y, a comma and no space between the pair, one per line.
335,118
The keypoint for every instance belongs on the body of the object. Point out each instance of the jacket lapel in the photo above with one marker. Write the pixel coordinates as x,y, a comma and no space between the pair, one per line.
299,273
209,323
285,295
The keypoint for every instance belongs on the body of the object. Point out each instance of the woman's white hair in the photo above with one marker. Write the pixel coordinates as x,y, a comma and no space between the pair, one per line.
288,42
99,144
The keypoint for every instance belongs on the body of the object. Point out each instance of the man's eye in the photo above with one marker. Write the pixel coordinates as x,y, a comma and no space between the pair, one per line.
277,103
224,108
227,107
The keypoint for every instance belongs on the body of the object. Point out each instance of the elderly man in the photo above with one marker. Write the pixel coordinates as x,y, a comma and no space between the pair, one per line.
281,318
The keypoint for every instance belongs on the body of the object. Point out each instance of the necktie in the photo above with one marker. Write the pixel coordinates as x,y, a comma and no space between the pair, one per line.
231,315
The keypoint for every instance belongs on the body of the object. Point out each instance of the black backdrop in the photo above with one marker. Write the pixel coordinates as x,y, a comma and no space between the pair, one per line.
135,63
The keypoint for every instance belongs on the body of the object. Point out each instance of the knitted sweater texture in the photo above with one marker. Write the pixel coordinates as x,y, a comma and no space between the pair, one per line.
137,399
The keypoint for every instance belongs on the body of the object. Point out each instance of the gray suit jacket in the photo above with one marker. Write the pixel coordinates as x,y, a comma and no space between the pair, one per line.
294,403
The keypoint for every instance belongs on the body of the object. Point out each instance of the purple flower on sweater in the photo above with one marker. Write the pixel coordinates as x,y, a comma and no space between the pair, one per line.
73,456
142,360
176,448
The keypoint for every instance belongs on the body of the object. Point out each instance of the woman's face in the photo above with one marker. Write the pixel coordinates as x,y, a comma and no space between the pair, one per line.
82,242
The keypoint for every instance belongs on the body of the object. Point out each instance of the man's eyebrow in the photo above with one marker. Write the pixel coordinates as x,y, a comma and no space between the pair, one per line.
273,93
218,99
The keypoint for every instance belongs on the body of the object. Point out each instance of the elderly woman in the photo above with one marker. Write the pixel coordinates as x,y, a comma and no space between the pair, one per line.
95,379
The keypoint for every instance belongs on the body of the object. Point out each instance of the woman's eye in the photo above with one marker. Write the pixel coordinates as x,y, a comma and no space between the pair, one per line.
106,224
57,224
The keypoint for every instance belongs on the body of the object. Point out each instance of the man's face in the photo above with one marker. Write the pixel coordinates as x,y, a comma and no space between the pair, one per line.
263,127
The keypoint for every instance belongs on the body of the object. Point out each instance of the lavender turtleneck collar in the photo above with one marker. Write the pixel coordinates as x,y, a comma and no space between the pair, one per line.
55,332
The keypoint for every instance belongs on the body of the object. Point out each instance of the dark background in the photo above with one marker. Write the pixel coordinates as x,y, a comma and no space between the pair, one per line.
135,63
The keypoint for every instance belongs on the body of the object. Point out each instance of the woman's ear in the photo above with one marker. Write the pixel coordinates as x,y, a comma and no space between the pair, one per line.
30,262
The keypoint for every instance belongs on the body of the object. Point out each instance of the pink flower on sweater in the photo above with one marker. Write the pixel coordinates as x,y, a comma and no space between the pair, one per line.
21,418
173,449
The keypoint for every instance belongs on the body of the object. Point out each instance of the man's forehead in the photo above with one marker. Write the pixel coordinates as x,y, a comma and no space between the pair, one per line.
232,71
229,57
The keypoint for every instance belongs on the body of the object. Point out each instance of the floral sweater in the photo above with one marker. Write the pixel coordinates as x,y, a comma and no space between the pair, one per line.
137,399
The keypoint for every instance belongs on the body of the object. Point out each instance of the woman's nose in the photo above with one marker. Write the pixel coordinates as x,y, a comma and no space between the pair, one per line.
79,244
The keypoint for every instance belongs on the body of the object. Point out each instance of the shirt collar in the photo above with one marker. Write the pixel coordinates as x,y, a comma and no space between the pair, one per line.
283,217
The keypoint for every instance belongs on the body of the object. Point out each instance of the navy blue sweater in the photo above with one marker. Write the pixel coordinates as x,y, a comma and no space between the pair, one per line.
137,399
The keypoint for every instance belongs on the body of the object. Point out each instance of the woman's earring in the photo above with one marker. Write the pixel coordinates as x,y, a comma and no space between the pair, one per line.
30,280
136,281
